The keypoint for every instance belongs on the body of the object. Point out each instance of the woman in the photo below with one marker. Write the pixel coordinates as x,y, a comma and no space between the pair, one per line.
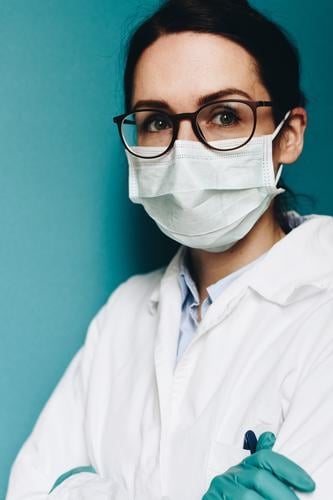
186,367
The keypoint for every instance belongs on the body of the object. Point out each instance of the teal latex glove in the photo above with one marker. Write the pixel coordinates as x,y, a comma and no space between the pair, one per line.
263,475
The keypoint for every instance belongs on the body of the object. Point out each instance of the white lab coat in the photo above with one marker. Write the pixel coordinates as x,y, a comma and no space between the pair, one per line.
262,359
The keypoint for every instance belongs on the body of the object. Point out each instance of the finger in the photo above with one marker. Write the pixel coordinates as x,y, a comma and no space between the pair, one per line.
266,441
264,483
284,469
229,488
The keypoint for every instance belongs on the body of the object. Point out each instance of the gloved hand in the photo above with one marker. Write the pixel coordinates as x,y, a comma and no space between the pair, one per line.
263,475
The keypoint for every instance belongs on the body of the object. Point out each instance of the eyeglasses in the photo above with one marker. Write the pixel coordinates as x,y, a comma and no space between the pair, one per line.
151,133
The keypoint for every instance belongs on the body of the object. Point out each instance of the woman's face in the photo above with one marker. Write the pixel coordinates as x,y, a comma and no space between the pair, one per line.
179,70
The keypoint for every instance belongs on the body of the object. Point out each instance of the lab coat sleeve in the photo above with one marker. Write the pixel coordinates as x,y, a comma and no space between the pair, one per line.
57,443
306,435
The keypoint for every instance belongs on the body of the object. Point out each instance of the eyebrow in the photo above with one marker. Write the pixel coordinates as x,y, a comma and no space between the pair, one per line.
201,101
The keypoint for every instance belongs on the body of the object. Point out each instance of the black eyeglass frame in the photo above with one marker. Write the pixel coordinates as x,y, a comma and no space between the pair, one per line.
176,118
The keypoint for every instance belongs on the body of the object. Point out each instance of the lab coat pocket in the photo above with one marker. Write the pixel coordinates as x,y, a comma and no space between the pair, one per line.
222,456
227,450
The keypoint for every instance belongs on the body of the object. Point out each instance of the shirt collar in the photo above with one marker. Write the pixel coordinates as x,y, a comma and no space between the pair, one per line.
188,286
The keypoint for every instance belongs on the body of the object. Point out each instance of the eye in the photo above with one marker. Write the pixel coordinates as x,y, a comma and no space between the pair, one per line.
225,118
156,123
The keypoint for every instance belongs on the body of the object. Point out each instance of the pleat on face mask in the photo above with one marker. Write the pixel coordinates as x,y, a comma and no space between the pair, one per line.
203,198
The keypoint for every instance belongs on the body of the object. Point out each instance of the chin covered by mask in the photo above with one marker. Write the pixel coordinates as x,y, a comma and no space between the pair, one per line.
204,198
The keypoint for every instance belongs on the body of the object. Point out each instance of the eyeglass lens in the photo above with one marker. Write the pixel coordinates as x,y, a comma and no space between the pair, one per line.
149,133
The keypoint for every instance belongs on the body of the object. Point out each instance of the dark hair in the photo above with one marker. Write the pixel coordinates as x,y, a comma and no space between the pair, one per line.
276,56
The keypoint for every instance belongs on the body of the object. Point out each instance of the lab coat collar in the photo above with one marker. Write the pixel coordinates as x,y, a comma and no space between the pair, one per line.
296,267
299,265
186,282
170,272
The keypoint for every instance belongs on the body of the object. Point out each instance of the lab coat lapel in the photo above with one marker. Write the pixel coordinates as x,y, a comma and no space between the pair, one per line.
204,378
214,358
169,315
217,360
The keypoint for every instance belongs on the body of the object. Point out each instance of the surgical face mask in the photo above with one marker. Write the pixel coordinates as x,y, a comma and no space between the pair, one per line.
204,198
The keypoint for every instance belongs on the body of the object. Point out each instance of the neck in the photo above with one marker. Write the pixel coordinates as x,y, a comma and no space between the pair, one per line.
208,268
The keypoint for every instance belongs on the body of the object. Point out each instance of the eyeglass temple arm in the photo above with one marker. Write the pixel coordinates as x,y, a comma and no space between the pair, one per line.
126,122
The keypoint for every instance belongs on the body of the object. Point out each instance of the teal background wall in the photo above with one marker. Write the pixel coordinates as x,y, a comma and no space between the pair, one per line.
69,235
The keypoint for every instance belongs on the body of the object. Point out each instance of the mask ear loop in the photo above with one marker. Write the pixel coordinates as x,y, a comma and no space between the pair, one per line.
274,135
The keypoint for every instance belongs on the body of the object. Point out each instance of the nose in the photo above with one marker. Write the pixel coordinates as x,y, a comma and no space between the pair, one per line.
185,131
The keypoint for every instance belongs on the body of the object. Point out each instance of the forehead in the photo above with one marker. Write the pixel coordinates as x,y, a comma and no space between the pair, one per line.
178,68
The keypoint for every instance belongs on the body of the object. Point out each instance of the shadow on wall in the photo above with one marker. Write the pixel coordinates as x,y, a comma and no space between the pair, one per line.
149,247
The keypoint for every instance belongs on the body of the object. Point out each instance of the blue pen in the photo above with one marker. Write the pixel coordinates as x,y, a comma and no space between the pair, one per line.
250,441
